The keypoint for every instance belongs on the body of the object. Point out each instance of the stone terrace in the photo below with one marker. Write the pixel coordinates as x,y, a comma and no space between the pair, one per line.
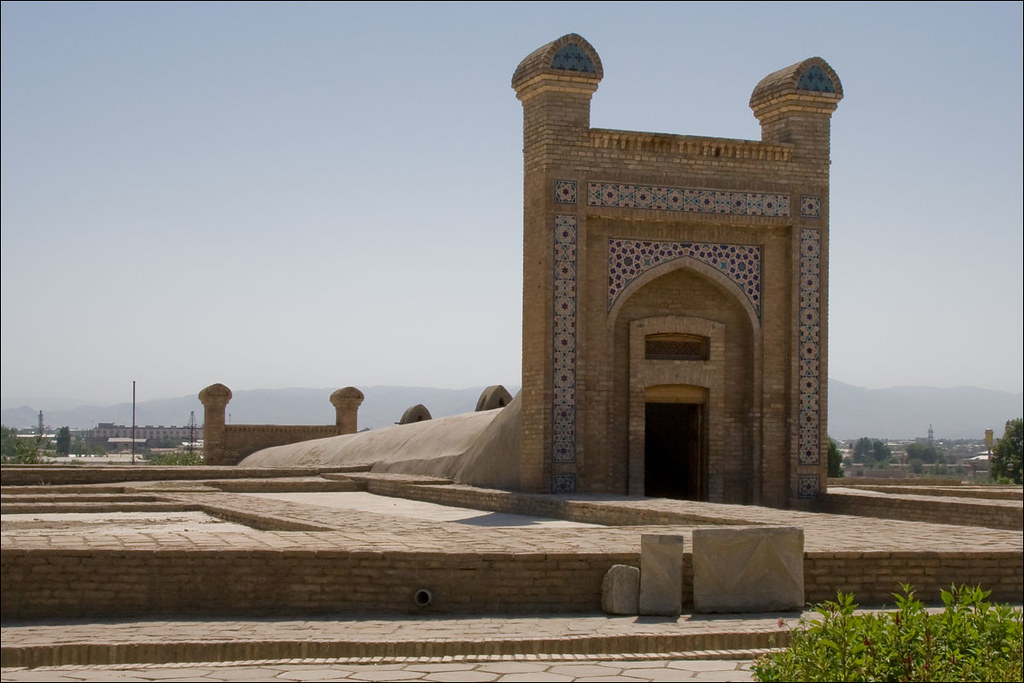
303,556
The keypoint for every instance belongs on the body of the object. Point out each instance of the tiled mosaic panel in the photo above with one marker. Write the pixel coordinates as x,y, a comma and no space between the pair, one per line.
565,191
810,206
815,80
629,259
807,486
688,200
563,420
563,483
572,57
810,348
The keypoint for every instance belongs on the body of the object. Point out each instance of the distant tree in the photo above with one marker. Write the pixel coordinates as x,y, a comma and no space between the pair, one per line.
29,450
926,453
10,443
861,449
79,446
872,452
1008,453
835,459
21,451
64,441
881,453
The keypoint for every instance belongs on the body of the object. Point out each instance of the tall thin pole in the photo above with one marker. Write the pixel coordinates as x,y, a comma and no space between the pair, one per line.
133,422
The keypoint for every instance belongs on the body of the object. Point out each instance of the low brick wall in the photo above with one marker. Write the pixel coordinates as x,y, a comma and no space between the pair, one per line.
242,440
71,475
873,577
991,492
62,584
975,513
539,505
72,584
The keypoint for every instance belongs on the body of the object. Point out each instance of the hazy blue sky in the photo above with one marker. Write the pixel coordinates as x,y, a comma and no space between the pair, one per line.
276,195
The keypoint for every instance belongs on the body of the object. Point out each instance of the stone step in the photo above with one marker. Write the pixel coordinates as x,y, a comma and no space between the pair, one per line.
704,644
93,507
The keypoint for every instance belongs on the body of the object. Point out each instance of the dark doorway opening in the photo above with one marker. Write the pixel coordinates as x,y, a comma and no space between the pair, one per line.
673,451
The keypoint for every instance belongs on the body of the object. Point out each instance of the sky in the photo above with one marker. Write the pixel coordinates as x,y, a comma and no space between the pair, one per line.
278,195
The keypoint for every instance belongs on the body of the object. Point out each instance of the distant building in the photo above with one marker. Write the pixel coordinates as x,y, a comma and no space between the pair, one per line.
108,433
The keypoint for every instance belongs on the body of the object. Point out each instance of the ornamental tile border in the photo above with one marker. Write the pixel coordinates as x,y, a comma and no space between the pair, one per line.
563,483
563,419
808,486
565,191
810,206
690,200
809,449
629,259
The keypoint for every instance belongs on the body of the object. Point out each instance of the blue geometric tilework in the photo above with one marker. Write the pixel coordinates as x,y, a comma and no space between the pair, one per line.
807,486
563,421
572,58
563,483
815,80
810,206
629,259
565,191
810,348
688,200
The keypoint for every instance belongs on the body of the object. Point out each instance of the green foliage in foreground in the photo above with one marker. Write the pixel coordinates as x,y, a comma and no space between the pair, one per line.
177,458
971,640
1008,455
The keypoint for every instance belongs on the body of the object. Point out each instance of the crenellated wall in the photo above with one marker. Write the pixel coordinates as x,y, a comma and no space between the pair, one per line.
228,444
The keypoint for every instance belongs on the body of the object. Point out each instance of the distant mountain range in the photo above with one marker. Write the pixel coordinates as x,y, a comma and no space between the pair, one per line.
907,412
896,413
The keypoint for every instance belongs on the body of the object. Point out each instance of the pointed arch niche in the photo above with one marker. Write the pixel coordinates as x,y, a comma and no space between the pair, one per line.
713,396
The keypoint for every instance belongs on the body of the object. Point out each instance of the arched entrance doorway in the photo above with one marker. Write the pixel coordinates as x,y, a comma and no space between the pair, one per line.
675,442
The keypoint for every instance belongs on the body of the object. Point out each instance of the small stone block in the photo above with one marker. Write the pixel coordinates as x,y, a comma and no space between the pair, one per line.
620,590
757,569
661,574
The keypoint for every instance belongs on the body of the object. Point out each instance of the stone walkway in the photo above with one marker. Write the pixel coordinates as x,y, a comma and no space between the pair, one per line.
494,648
386,648
313,524
111,641
310,670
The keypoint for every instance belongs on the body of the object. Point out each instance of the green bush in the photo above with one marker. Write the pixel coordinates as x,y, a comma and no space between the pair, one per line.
177,458
971,640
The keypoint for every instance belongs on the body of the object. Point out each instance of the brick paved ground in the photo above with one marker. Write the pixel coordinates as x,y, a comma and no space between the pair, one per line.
452,648
537,670
386,529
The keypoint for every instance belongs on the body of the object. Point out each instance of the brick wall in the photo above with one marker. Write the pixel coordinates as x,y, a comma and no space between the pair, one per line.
69,475
579,429
242,440
43,583
874,576
975,513
93,583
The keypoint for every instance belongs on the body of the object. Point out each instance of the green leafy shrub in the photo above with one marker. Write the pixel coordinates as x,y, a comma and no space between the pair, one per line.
177,458
970,640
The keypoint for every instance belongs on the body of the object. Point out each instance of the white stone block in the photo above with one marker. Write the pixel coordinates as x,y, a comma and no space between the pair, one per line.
661,574
620,590
753,569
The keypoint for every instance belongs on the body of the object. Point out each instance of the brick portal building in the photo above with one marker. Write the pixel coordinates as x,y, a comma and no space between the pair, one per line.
674,310
675,293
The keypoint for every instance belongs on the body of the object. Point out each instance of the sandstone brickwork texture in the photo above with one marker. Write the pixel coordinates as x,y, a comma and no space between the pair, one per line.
302,557
674,234
228,444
